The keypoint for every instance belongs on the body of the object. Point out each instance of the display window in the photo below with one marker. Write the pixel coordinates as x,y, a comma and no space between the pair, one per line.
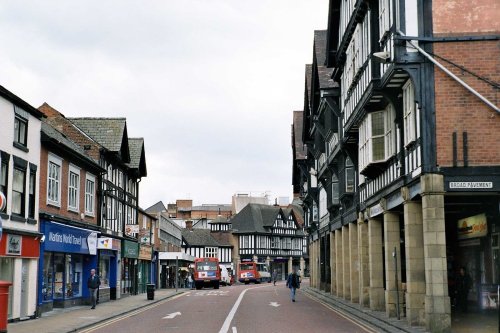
104,269
7,274
48,276
62,276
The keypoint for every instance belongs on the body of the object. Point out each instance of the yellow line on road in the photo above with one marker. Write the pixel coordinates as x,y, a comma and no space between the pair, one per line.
352,320
130,314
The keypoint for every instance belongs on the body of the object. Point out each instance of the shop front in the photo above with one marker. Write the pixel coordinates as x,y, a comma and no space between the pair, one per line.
68,255
108,268
144,267
130,254
18,264
170,262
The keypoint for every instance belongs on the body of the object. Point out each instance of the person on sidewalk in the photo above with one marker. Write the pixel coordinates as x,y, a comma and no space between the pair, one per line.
275,276
93,284
293,283
463,285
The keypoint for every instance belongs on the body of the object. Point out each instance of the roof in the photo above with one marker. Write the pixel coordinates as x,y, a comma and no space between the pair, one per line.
156,208
137,155
109,132
254,218
201,237
52,135
8,95
220,219
307,90
298,144
324,73
222,207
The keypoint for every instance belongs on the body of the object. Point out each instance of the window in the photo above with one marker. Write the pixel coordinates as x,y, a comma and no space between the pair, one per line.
297,244
275,243
335,190
89,195
322,202
349,176
211,252
32,192
54,181
245,241
20,130
18,191
287,243
409,113
73,188
377,137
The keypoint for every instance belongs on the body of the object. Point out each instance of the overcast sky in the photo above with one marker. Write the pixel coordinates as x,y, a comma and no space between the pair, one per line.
209,84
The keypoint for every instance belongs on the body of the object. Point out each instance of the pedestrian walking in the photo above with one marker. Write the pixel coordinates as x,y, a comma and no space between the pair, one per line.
462,285
93,284
275,276
293,283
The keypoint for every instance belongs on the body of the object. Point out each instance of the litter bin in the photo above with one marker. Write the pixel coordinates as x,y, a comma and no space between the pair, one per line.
150,288
4,304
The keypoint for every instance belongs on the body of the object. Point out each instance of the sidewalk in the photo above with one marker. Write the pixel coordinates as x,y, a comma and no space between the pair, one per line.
79,317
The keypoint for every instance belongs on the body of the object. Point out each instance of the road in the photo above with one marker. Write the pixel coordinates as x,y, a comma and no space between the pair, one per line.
236,309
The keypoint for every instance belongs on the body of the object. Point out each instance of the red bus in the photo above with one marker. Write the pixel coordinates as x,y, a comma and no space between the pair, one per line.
253,272
206,273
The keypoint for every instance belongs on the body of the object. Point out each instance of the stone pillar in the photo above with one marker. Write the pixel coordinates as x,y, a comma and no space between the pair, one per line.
364,273
415,266
290,265
437,301
302,266
268,261
391,241
333,278
339,263
255,258
353,262
346,271
376,265
318,269
311,265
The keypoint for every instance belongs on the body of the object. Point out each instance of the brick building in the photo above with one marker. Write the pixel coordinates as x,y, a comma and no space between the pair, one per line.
402,158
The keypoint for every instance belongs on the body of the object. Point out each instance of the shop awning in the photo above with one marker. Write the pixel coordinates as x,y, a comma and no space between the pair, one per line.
175,255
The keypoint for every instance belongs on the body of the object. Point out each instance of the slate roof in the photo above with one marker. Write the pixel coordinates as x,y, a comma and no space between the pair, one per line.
137,155
201,237
324,73
223,208
254,218
298,124
307,90
50,134
156,208
108,132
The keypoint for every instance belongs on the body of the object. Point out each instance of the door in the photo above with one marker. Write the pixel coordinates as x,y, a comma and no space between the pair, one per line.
25,288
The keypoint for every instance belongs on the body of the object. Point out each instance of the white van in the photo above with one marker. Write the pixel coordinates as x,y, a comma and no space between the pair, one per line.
225,279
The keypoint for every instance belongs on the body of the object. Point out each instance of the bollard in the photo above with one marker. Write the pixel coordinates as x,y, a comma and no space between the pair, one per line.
4,304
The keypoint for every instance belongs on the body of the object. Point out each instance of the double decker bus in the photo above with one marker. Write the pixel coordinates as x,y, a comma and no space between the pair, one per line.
255,272
206,273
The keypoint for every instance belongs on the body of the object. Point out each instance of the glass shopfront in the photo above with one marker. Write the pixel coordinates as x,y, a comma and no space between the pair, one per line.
62,276
7,274
130,253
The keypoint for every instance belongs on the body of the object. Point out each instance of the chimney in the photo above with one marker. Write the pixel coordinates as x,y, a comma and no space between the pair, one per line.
189,225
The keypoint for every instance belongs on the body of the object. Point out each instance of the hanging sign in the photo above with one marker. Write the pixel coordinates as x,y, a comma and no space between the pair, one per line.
471,227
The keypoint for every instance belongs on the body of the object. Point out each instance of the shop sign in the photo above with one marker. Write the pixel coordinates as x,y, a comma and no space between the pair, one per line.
108,243
145,252
14,243
130,249
62,238
470,185
131,229
471,227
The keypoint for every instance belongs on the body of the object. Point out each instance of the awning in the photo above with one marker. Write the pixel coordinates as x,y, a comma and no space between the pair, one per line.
175,255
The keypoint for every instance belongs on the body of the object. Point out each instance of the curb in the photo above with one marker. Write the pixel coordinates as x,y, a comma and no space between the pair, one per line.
363,316
77,329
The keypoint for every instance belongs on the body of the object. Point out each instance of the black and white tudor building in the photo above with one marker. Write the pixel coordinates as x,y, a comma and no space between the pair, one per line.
269,234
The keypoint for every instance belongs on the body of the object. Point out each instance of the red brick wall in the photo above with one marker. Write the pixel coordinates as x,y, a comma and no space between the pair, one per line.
63,210
458,110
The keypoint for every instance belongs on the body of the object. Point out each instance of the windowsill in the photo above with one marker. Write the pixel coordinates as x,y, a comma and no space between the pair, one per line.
20,146
54,204
89,215
17,218
4,216
73,210
32,221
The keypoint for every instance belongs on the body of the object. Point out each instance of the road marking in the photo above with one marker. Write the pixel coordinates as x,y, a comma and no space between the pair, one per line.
234,330
130,314
210,293
352,320
172,315
230,316
275,304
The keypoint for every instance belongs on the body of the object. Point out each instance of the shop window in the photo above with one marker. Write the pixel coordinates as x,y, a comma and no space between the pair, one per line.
7,274
104,267
59,276
18,191
73,276
47,277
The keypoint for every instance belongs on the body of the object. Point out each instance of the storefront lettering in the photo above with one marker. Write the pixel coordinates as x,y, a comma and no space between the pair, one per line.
65,238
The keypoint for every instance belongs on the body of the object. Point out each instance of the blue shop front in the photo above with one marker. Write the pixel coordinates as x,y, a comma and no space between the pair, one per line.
67,255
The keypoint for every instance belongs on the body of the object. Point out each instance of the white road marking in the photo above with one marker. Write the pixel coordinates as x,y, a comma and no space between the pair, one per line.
211,293
275,304
172,315
234,330
230,316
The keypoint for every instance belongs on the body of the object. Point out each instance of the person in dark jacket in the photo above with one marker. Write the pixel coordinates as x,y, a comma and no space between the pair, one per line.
462,287
93,284
293,282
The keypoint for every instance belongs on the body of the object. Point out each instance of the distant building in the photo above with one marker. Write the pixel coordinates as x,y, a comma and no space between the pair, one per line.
240,200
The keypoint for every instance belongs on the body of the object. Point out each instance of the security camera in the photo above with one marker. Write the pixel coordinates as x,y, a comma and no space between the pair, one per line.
42,239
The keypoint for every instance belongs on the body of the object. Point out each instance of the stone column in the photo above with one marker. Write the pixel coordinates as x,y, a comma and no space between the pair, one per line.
268,261
290,265
311,265
376,265
415,266
391,241
353,262
346,271
437,301
333,279
318,268
302,265
255,258
339,263
364,273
